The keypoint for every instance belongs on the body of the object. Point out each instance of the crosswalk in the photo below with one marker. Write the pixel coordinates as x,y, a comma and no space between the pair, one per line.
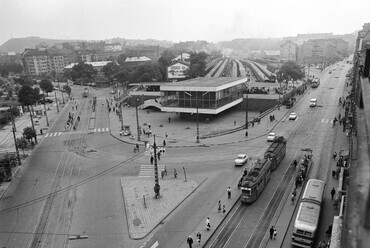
49,135
323,121
100,130
148,170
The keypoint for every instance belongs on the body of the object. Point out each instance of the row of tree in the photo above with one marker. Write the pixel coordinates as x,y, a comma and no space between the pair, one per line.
10,67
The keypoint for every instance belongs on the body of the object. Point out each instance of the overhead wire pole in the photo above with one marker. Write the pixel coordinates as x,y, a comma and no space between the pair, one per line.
157,187
137,122
14,129
56,100
47,120
33,126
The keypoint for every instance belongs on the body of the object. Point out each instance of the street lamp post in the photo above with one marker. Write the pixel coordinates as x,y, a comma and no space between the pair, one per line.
14,129
157,187
245,96
56,100
137,122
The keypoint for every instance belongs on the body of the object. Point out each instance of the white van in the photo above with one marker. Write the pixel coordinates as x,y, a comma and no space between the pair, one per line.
313,102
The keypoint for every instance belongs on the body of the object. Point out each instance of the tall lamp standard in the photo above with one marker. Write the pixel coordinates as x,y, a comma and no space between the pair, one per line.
137,122
245,97
157,187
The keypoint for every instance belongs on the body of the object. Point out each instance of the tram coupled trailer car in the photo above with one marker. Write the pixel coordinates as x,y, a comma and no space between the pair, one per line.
253,183
308,216
276,152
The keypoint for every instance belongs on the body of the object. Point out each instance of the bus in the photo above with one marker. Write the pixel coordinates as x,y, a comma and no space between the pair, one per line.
308,216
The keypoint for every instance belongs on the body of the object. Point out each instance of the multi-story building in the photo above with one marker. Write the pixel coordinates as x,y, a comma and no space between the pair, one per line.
36,62
320,51
288,51
152,52
135,61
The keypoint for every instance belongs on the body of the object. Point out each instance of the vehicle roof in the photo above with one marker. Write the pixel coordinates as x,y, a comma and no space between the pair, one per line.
313,191
242,155
307,217
272,133
313,99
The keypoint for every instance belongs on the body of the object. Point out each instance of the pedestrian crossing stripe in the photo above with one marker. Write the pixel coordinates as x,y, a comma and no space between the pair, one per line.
326,121
100,130
53,134
148,170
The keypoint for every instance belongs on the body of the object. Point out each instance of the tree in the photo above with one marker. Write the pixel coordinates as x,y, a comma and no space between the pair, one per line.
83,70
29,133
110,70
6,164
24,80
146,73
197,65
46,86
27,96
67,89
290,70
21,143
121,59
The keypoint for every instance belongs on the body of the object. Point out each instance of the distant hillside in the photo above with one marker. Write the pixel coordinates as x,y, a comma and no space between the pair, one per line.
19,44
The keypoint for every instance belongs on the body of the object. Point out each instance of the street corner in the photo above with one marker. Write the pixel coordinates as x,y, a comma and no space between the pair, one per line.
143,211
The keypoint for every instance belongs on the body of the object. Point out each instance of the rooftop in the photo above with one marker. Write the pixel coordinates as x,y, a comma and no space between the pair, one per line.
137,59
94,64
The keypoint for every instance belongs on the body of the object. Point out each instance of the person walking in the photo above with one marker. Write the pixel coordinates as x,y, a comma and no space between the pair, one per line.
332,192
229,193
246,133
275,233
199,237
234,123
151,160
190,242
169,119
334,155
219,206
175,173
164,143
208,224
223,209
271,232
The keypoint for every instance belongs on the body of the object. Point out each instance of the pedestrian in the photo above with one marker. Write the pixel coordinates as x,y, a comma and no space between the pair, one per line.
334,155
169,119
246,133
271,232
229,193
332,192
293,199
164,143
159,155
275,233
165,170
162,173
223,209
295,192
234,123
151,160
149,125
175,173
190,242
199,237
219,206
208,224
295,163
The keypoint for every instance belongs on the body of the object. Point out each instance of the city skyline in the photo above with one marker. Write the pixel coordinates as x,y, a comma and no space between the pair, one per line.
210,20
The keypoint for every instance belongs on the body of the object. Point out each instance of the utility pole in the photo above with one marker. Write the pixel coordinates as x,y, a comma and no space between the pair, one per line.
120,116
33,126
56,100
197,124
14,129
157,188
47,120
137,122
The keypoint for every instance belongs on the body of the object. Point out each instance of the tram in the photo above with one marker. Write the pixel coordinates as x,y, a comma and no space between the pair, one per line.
276,152
253,183
85,93
308,216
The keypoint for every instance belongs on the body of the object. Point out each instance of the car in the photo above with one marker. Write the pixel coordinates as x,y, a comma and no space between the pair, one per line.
112,92
241,159
42,101
292,116
330,72
271,137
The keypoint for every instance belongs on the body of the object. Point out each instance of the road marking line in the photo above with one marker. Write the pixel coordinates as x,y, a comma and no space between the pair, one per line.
94,129
59,133
46,135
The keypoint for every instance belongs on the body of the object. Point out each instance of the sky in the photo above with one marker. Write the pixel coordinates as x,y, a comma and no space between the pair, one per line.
178,20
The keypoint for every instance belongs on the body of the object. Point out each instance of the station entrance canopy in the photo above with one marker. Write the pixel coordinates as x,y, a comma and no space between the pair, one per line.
205,95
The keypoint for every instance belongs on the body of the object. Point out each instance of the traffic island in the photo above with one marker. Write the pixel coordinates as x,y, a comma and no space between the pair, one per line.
143,211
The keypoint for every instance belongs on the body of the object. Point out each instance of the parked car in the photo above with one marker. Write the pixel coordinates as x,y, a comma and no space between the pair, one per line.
42,101
271,137
292,116
241,159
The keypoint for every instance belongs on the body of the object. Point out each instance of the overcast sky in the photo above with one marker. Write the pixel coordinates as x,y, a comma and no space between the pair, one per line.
178,20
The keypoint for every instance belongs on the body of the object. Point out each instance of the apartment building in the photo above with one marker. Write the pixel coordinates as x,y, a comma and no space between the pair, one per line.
288,51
